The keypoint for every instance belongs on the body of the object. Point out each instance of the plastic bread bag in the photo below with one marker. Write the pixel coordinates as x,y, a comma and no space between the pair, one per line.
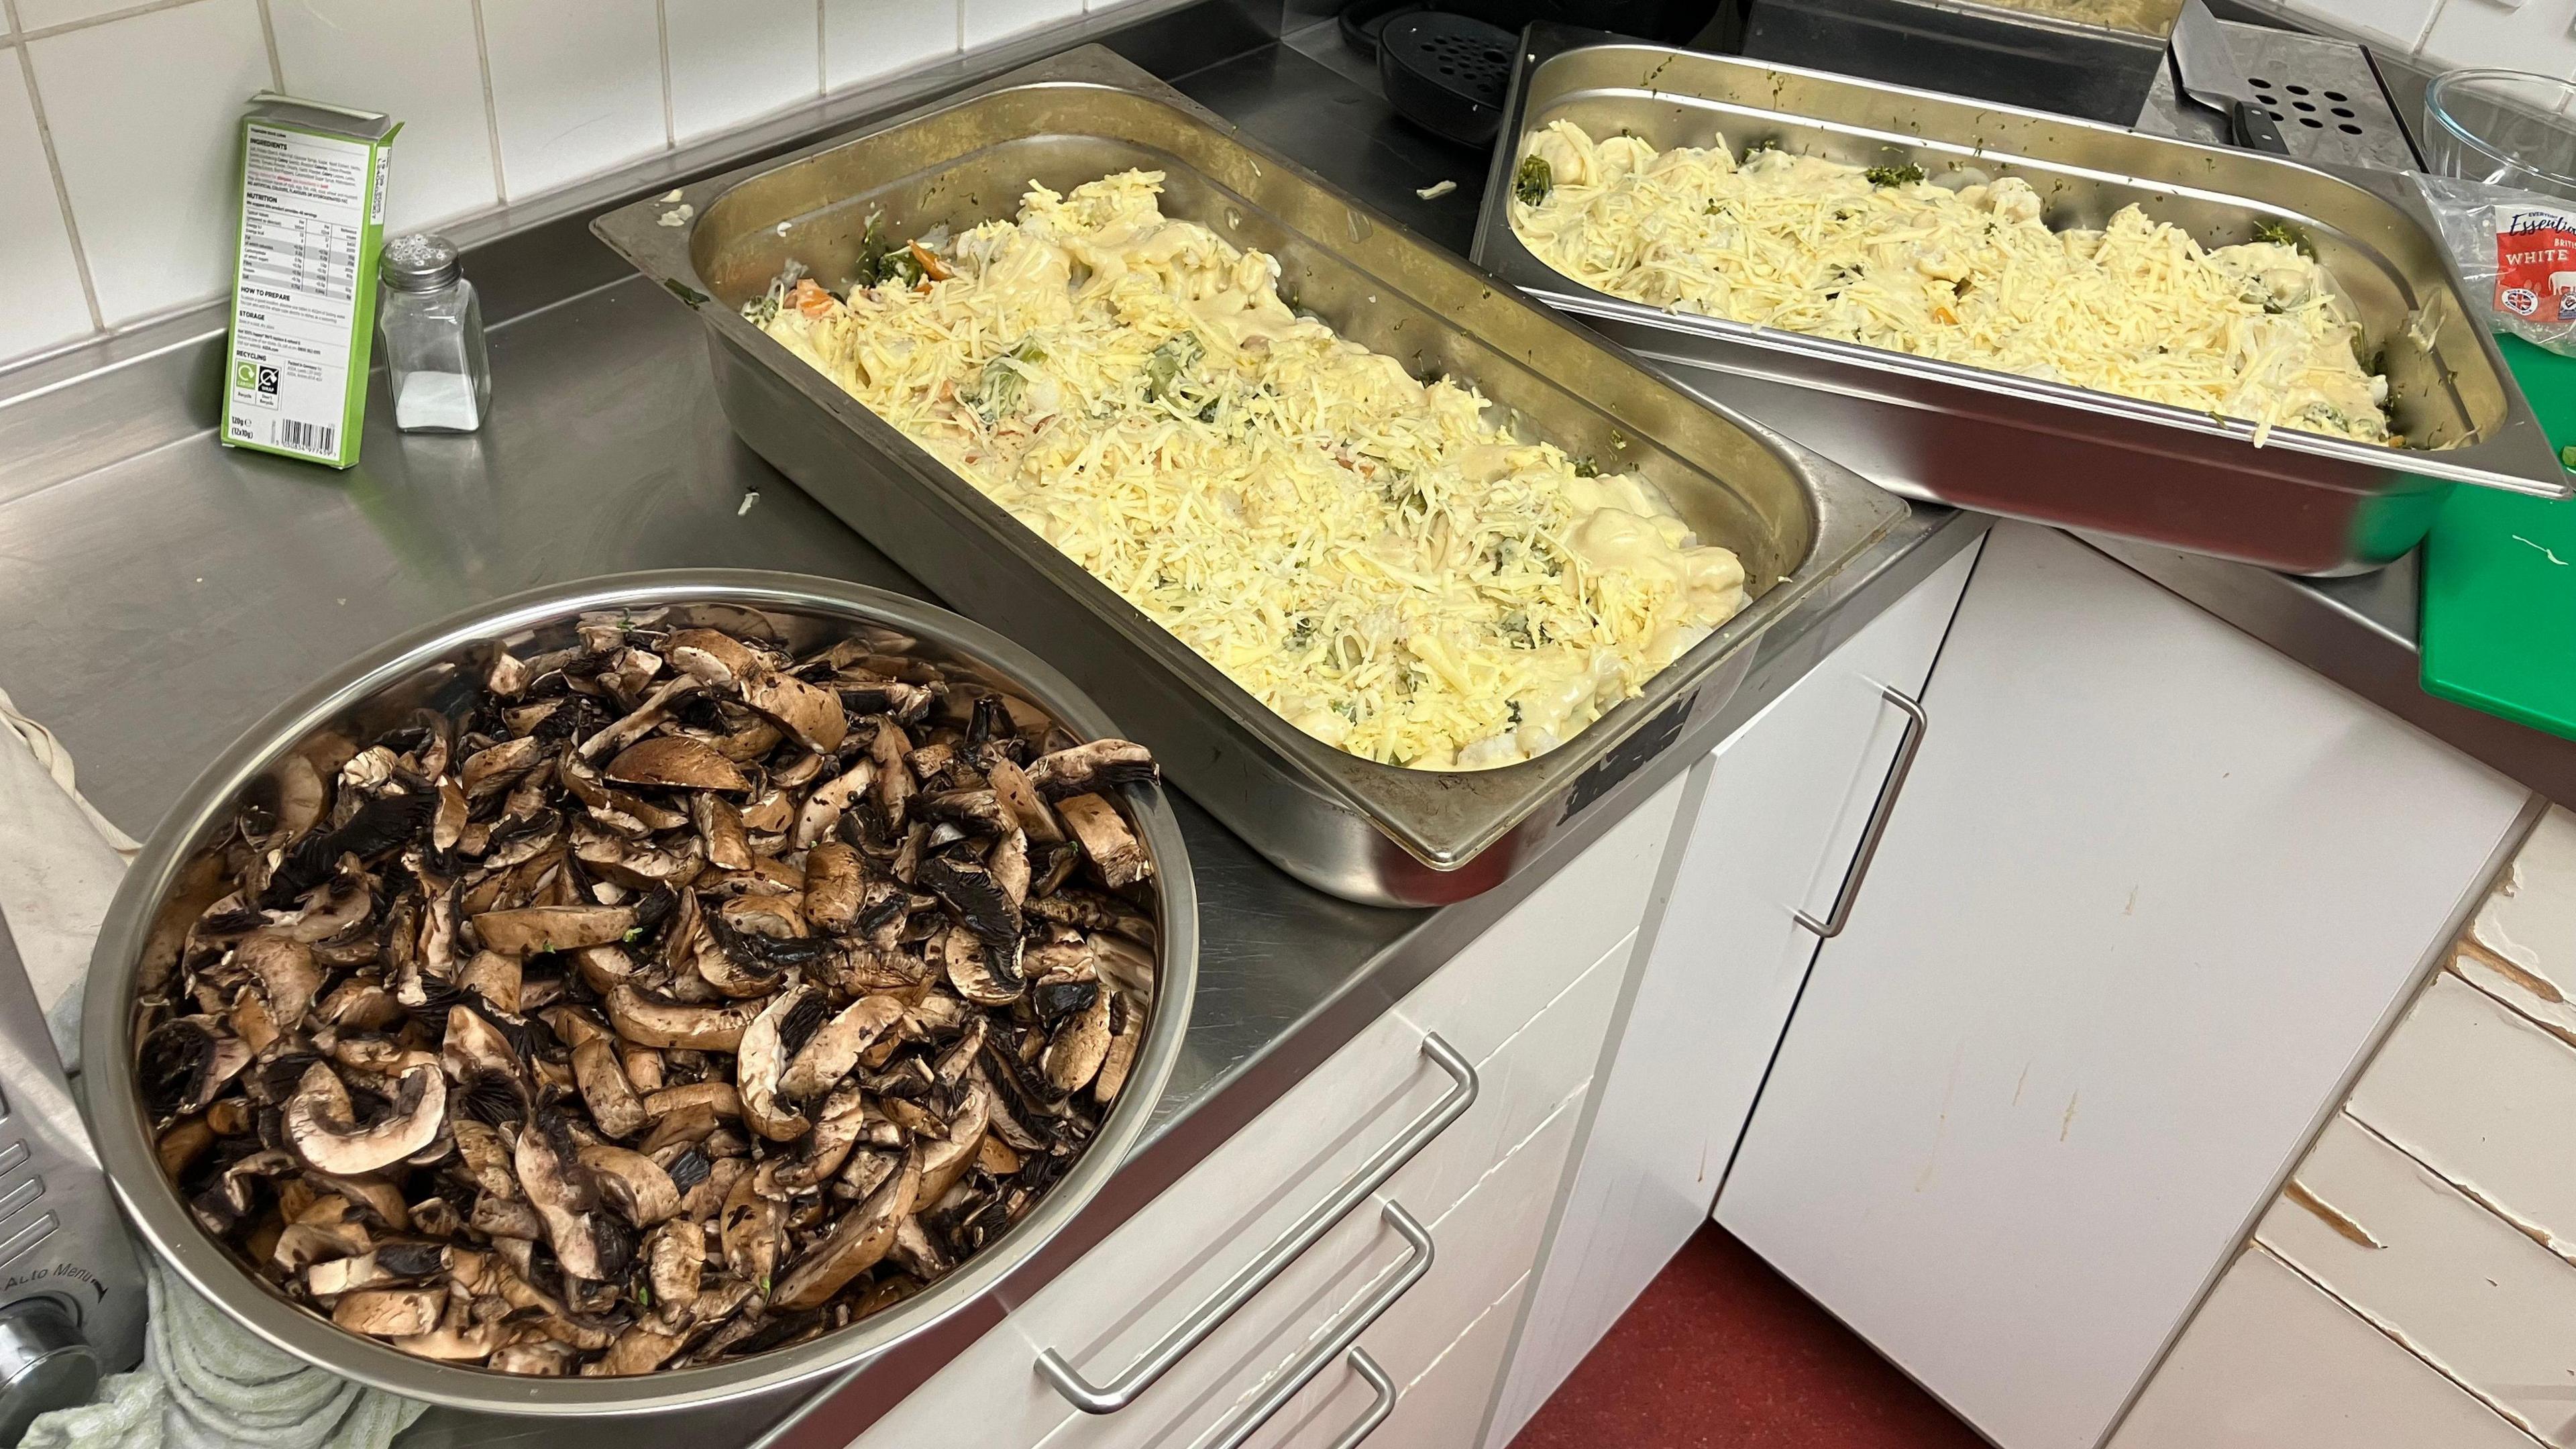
2515,248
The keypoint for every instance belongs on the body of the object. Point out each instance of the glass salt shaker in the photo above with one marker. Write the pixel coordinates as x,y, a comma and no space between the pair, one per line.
432,328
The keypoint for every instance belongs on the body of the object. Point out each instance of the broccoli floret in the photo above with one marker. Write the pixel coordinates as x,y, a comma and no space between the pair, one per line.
2281,234
1176,356
1534,180
1905,175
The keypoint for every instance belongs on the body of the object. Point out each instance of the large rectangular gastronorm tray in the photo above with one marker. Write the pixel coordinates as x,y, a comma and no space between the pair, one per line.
1360,829
2002,443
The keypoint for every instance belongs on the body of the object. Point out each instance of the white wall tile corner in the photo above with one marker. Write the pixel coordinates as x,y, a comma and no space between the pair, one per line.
991,20
576,89
732,60
866,39
40,287
145,114
2398,24
417,61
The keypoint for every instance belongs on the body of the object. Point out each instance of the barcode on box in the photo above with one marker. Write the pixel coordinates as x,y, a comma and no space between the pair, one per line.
319,439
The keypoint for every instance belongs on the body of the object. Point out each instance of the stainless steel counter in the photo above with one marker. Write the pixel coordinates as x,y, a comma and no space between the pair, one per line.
163,591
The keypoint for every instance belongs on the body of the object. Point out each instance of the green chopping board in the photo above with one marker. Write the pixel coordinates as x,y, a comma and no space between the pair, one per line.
2499,621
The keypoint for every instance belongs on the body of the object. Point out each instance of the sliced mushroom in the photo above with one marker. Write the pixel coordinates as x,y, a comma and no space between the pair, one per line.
454,1345
538,1357
1106,839
632,1183
836,1045
286,974
560,1190
182,1144
612,1099
1074,1056
639,1350
835,887
318,1126
390,1312
855,1244
1088,769
1027,806
500,1217
824,806
720,827
675,1258
813,716
529,930
715,659
676,762
760,1064
983,974
712,1098
752,1225
945,1161
670,1024
1127,1031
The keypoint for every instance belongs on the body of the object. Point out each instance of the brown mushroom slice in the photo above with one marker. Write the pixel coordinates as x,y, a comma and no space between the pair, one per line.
945,1161
1122,963
720,827
1074,1055
381,1266
641,1349
674,1259
492,770
383,1201
1009,864
454,1345
1114,850
483,1159
317,1121
359,1004
982,974
184,1062
713,658
677,762
760,1063
530,930
835,887
499,1217
390,1312
328,1228
286,974
752,1225
712,1098
1126,1033
612,1099
1027,806
836,1045
813,716
647,1022
855,1244
494,977
838,1124
561,1192
182,1143
633,1183
538,1357
824,806
648,712
916,1253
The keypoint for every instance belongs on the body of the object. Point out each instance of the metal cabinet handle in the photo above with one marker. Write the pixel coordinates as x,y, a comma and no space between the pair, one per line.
1366,1367
1917,724
1249,1419
1256,1275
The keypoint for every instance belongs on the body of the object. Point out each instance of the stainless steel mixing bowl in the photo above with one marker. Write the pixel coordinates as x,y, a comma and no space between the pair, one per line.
372,694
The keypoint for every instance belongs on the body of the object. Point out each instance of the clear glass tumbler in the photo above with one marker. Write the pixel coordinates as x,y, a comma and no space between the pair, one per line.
432,332
2502,127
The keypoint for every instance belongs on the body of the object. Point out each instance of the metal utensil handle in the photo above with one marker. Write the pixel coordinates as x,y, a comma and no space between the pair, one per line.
1271,1400
2252,128
1193,1330
1367,1368
1917,724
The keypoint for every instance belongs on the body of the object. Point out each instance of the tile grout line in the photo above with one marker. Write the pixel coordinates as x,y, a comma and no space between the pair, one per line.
491,109
54,166
662,38
2396,1337
2467,1192
268,38
93,21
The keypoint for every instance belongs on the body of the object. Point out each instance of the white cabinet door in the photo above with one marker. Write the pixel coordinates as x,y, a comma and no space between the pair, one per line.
2151,890
1786,800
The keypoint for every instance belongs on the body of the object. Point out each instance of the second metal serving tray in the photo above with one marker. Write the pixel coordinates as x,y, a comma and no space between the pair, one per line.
1359,829
2001,443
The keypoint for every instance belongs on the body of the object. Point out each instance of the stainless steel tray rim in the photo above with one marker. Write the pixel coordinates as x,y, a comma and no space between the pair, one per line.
151,1203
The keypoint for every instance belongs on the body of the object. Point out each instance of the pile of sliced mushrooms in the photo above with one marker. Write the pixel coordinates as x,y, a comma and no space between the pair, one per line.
666,999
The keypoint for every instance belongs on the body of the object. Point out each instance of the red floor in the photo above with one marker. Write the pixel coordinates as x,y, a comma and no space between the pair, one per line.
1720,1352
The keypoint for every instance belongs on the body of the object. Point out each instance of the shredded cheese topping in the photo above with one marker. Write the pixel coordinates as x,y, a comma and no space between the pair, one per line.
1971,275
1362,552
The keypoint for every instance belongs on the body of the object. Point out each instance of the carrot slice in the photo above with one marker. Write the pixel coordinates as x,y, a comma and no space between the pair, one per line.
931,266
811,299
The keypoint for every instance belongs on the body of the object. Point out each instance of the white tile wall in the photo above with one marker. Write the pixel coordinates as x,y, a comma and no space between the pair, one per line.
414,59
41,301
130,109
2516,34
144,112
732,60
576,89
865,39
